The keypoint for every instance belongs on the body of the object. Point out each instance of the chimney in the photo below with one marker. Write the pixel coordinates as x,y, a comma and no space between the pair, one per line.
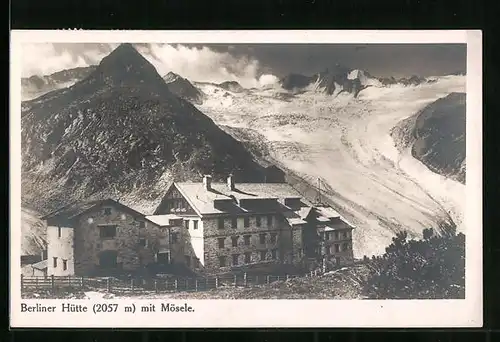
230,182
207,182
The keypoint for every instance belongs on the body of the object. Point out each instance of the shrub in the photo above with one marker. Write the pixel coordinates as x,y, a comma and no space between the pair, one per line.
430,268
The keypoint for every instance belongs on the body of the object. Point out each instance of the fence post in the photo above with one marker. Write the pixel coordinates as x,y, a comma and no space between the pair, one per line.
196,284
176,283
81,282
278,278
216,282
36,282
22,284
287,278
267,279
69,281
108,285
156,286
235,280
257,279
53,284
245,280
132,284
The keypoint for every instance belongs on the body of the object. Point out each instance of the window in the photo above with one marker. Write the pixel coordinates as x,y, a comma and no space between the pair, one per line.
273,237
269,220
337,248
175,237
55,262
262,238
186,224
274,252
188,260
246,222
345,246
234,223
257,221
163,258
222,261
327,236
263,255
220,223
59,233
107,211
235,259
196,262
221,242
346,234
248,257
195,224
336,235
247,240
235,241
107,232
65,264
142,242
142,224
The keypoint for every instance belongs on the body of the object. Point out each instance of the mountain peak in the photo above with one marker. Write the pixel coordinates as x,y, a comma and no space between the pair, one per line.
171,77
125,64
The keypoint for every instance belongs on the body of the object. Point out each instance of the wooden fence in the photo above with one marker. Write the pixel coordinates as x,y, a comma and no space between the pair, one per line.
54,283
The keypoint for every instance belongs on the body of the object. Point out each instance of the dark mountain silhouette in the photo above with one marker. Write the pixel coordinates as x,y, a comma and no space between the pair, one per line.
232,86
332,80
35,85
183,88
120,128
437,136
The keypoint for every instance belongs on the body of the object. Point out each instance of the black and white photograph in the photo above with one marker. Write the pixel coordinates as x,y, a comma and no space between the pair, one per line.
291,171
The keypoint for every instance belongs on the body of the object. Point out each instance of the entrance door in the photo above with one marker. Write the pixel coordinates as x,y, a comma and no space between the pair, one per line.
108,259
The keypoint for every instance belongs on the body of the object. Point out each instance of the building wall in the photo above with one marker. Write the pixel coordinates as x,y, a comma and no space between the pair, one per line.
194,252
60,247
212,233
344,256
131,253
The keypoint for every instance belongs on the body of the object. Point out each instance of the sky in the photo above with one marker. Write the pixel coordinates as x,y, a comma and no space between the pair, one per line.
257,64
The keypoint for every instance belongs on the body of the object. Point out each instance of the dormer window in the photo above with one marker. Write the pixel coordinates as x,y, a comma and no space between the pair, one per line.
107,211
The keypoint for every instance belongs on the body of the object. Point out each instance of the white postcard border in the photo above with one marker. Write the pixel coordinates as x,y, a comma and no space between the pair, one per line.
268,313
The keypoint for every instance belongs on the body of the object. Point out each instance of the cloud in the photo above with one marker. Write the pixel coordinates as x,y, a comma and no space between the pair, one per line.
194,63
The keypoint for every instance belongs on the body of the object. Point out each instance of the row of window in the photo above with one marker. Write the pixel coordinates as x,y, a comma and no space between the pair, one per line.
64,263
235,258
246,239
334,235
246,221
336,248
195,224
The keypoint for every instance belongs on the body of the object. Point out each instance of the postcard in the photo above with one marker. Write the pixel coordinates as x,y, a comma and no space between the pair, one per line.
174,179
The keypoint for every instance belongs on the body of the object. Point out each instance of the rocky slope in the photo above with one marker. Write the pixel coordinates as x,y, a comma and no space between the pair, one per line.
183,88
121,132
436,136
35,86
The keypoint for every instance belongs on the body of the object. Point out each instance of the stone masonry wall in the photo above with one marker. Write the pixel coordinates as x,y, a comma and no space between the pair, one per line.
132,250
211,243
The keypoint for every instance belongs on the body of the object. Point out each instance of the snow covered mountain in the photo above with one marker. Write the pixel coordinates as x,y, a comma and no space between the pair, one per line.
35,86
183,88
345,142
124,126
121,132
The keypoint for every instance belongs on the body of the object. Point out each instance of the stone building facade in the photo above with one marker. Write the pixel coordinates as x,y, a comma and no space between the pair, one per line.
202,226
99,237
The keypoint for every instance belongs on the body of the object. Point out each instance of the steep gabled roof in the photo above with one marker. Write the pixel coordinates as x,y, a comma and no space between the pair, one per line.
76,209
204,202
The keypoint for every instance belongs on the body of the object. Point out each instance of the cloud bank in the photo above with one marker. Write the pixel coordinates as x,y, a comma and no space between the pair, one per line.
194,63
